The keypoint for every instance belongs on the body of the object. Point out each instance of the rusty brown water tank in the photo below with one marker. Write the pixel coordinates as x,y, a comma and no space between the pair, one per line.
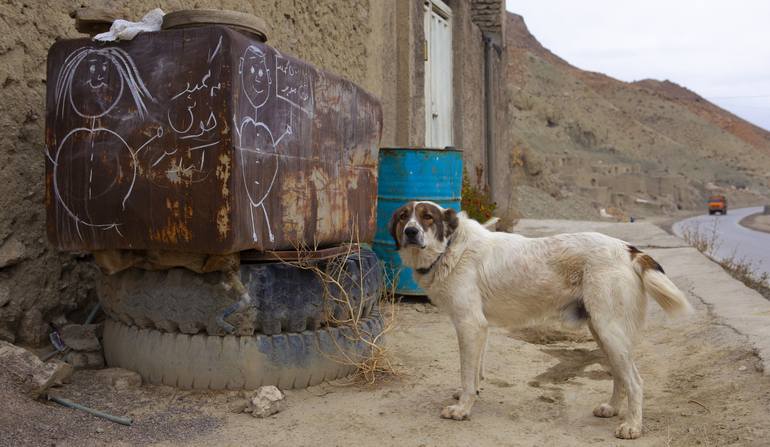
204,139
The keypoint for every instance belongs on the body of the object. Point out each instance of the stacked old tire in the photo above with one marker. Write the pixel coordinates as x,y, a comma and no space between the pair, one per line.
162,324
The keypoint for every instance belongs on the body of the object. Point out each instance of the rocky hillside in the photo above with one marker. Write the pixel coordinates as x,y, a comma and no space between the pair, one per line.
591,142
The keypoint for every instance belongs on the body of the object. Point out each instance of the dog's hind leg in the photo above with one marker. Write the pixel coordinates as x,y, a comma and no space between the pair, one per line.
471,336
616,344
611,408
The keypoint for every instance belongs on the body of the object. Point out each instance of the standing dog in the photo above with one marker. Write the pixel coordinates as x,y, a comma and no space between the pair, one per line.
480,277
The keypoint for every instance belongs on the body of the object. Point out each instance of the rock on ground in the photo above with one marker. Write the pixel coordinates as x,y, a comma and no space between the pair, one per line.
119,378
12,252
85,360
265,402
82,337
35,376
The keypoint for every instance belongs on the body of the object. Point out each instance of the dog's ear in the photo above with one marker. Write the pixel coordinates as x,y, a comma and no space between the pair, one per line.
393,227
451,220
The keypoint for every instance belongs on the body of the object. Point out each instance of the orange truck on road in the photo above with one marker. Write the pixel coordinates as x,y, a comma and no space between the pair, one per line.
718,204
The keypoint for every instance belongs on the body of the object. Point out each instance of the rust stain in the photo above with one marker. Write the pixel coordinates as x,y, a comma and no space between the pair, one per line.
223,221
333,214
294,204
178,173
320,182
176,228
223,215
223,173
172,174
352,181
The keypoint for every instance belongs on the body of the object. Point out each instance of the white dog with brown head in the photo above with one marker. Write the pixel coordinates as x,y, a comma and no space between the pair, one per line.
480,277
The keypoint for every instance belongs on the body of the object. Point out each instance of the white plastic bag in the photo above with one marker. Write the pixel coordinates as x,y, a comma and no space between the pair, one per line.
125,30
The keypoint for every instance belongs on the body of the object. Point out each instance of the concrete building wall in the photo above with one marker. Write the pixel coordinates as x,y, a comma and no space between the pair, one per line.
469,94
409,124
382,63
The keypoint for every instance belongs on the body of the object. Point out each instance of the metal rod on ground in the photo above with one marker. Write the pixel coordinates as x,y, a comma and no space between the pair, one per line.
92,315
109,417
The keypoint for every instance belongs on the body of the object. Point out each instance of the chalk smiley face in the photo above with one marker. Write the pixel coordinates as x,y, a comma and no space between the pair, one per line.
256,78
92,81
99,86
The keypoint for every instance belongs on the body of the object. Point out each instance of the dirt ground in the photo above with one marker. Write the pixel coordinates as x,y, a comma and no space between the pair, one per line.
702,387
758,222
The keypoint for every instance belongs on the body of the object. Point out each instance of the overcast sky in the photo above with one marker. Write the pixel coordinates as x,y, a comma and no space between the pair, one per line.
719,49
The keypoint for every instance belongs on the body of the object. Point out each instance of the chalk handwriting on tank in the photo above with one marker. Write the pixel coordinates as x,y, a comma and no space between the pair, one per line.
191,117
293,84
257,145
93,82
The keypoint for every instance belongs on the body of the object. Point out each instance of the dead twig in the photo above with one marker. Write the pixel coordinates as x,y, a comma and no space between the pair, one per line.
693,401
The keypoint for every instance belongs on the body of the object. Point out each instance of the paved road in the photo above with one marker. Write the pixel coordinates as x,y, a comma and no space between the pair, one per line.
753,246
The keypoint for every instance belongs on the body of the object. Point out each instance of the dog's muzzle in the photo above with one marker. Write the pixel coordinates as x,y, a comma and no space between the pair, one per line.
413,237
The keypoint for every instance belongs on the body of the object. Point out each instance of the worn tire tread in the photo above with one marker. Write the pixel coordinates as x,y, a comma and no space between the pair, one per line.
209,362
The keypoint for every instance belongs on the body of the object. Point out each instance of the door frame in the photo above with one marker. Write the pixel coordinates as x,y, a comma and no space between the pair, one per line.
442,9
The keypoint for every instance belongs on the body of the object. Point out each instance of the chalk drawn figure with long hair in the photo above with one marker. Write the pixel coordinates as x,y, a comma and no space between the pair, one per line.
91,84
256,143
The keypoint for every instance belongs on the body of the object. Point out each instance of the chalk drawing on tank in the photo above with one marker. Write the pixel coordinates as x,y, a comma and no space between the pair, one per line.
257,145
293,85
92,82
194,124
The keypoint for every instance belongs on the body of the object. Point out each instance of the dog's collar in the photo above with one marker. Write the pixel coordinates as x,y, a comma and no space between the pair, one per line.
426,270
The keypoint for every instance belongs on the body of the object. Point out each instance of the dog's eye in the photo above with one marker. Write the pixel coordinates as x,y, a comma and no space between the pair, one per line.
427,217
403,216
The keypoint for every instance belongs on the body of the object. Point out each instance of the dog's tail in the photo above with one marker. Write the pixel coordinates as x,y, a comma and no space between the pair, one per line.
491,224
658,285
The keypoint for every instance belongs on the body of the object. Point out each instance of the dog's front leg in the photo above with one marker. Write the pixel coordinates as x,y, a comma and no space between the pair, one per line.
470,335
483,357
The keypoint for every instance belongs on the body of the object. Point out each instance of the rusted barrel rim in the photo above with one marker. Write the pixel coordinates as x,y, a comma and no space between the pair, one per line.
253,256
187,18
419,148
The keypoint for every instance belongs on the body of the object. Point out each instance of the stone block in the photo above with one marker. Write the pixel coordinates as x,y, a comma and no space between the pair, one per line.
265,402
35,376
81,337
85,360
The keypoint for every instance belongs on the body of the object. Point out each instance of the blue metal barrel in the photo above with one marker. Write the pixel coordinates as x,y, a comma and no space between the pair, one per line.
413,174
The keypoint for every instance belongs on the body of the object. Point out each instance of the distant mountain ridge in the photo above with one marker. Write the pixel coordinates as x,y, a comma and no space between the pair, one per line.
751,133
642,147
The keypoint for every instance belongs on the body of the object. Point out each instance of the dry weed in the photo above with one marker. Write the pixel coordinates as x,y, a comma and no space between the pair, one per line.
706,242
739,268
343,309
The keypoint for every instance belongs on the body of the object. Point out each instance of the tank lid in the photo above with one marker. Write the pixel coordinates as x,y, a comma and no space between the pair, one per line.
199,17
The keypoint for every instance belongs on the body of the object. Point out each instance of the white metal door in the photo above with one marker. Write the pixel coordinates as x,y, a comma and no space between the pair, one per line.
438,74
